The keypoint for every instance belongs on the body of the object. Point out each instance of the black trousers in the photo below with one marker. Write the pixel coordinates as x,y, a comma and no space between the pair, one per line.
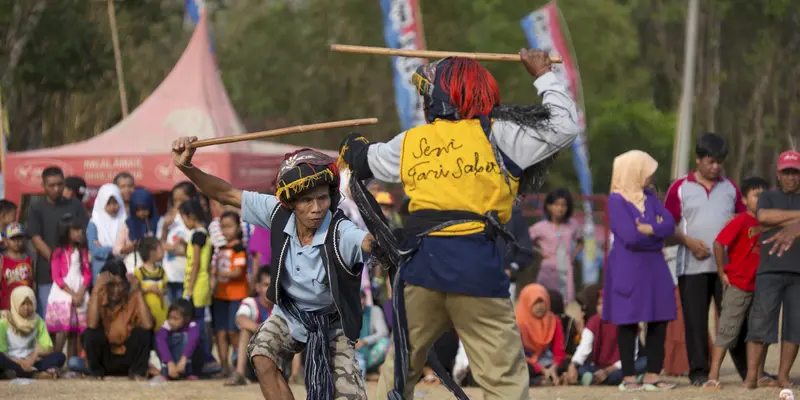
696,293
102,362
50,361
627,336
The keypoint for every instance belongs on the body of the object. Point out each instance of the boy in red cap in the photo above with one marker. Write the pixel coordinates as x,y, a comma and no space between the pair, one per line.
778,276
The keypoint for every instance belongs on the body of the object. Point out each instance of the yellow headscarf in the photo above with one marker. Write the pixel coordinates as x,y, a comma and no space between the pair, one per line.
19,325
629,175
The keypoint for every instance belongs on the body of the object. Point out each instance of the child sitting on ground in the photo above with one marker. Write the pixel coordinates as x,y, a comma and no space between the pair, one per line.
15,265
153,279
596,361
542,336
742,238
25,346
252,312
177,343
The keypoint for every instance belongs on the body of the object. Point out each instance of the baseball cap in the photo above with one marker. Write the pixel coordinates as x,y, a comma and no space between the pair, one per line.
13,230
789,159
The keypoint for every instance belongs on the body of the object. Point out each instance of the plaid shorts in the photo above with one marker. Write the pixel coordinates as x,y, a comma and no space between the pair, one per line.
273,340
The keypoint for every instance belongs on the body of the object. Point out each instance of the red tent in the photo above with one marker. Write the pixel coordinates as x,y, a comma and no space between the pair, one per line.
191,101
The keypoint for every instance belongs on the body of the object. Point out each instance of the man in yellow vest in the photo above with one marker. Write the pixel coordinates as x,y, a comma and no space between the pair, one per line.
462,172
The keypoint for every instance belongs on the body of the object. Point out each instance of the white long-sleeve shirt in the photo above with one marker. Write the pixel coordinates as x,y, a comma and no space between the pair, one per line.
584,350
523,145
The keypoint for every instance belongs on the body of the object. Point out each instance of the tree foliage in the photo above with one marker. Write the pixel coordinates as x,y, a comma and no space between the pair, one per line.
58,78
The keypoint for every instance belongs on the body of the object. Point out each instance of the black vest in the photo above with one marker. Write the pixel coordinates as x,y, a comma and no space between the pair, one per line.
344,281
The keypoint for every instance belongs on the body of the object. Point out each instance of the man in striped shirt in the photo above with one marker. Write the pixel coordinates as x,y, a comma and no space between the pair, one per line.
702,203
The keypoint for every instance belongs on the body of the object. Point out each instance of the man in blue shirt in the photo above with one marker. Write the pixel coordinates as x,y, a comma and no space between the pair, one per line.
317,277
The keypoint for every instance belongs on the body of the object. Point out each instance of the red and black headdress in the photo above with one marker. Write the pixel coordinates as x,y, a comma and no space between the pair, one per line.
304,170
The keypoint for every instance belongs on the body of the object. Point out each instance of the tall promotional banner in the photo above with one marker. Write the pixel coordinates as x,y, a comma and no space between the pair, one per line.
543,30
194,9
402,29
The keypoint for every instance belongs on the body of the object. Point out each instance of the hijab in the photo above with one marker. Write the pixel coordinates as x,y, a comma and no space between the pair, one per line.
605,350
19,325
107,225
537,333
138,229
629,175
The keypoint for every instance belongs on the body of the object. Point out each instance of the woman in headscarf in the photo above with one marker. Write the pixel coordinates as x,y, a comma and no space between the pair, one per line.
142,222
542,336
638,285
108,216
25,345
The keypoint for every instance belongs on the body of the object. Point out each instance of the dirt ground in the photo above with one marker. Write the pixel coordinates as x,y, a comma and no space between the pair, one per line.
122,389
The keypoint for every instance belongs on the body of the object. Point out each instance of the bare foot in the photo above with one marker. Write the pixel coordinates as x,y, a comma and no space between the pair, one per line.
785,383
44,375
750,384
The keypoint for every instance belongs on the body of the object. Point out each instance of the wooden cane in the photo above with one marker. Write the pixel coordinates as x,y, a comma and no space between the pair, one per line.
285,131
346,48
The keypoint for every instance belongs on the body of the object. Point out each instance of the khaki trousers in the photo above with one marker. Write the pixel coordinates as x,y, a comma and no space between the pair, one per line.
488,330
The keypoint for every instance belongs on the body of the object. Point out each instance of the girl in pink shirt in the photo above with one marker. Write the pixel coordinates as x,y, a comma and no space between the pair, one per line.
68,300
559,241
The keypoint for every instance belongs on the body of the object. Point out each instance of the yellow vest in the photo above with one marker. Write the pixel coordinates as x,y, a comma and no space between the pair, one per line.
450,166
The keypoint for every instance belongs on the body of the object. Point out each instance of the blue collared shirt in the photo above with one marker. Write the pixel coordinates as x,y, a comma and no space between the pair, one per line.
304,276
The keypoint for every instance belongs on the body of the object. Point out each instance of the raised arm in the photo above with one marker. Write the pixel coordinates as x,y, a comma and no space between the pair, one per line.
216,188
526,145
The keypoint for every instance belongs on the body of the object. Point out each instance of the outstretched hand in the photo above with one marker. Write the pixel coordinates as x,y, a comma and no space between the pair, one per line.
784,239
182,152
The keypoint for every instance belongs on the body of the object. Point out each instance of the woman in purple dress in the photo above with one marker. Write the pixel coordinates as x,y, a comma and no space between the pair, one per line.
638,286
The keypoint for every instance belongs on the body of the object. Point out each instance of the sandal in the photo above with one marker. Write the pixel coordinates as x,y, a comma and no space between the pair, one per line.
630,387
236,380
767,381
45,375
658,386
712,384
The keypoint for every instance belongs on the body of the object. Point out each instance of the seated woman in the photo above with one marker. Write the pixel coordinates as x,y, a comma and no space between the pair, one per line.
119,333
596,360
542,336
373,344
25,346
572,330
